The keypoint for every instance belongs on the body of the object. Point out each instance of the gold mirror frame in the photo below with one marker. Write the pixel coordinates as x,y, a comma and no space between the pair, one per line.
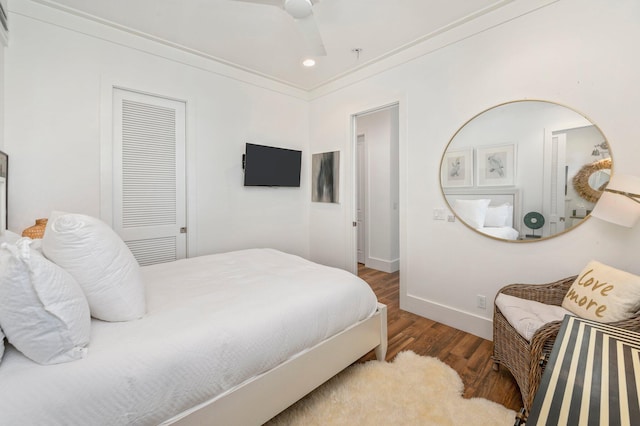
581,180
470,155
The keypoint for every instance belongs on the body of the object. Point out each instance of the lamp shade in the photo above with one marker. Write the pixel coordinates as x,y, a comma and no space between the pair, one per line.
621,209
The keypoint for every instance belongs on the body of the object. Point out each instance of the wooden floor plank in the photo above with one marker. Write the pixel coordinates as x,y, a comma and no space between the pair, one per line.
469,355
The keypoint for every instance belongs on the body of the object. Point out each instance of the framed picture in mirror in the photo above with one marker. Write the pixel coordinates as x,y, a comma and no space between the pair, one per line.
457,169
496,165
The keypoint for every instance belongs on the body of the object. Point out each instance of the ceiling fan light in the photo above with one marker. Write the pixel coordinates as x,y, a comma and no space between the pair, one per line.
309,62
298,8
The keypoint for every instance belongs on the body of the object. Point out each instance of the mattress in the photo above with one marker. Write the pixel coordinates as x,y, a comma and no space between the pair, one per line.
212,323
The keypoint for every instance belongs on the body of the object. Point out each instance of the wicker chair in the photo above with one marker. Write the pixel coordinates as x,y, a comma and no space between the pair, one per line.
523,358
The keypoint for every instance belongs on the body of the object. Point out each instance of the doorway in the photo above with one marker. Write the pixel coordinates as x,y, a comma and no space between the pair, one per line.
377,188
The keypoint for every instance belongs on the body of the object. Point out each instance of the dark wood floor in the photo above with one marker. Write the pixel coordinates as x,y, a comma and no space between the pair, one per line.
469,355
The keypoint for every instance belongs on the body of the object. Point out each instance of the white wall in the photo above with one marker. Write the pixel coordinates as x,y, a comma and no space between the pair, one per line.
59,70
2,84
579,53
2,96
380,130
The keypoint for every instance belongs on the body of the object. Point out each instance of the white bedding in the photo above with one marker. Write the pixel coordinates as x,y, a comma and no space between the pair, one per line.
212,323
504,232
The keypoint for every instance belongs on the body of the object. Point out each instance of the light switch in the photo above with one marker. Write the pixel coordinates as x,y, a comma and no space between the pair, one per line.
439,214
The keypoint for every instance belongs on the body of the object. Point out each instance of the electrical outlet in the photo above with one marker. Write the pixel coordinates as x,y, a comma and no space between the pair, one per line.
481,301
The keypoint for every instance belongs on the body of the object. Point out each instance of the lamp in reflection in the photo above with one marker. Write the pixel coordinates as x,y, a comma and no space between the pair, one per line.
620,201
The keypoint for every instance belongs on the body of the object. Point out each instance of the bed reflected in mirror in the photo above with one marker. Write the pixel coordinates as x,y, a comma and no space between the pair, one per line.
510,172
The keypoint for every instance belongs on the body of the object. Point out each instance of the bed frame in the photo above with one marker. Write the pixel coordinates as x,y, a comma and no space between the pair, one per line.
260,399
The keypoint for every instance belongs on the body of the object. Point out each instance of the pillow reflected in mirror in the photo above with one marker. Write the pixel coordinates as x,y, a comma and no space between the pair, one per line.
499,216
472,212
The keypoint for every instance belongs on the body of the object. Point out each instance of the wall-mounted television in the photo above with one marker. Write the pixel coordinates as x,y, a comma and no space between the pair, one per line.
271,166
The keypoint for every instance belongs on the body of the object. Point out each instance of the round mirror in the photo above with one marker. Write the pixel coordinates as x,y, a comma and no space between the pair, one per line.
525,170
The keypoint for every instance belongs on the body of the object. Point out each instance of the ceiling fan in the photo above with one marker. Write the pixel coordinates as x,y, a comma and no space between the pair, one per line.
302,12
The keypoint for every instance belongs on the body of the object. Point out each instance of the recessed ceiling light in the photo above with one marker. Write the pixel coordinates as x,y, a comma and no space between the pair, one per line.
308,62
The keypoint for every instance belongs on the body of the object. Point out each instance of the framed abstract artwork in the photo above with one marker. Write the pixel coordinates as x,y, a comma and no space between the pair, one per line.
325,171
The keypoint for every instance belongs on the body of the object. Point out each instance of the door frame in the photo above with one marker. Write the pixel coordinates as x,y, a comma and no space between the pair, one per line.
108,84
361,197
554,181
351,211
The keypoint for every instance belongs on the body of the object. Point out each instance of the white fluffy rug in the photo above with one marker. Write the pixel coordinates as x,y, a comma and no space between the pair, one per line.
411,390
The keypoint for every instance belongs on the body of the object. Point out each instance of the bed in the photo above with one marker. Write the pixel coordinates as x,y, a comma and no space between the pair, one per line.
493,212
231,338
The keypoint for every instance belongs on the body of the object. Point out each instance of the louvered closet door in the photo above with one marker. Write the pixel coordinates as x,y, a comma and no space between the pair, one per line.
149,176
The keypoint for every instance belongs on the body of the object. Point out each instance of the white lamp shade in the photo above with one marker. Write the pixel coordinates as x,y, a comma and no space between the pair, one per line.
618,208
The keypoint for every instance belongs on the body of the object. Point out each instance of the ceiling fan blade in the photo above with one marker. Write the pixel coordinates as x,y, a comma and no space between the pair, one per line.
309,30
302,14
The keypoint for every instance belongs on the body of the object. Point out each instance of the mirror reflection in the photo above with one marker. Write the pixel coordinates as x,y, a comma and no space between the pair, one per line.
599,179
591,179
525,170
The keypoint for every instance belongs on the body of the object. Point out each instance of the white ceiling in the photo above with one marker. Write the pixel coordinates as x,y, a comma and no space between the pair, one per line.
265,40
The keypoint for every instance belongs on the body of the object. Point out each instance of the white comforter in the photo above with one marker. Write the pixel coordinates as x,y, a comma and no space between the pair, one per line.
504,232
212,323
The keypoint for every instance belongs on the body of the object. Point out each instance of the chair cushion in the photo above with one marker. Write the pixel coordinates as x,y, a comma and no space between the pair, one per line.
602,293
527,316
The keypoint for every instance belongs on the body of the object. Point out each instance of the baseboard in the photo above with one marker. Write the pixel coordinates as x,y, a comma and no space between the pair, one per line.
387,266
465,321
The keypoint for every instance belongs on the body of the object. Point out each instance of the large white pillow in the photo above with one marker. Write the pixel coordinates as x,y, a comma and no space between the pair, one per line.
43,313
603,293
498,215
100,261
472,212
9,237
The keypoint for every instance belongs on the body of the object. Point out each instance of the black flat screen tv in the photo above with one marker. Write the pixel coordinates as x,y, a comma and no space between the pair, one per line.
271,166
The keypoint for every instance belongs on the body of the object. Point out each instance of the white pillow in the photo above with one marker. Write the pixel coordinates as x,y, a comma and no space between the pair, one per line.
44,313
472,212
9,237
509,215
100,261
497,216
